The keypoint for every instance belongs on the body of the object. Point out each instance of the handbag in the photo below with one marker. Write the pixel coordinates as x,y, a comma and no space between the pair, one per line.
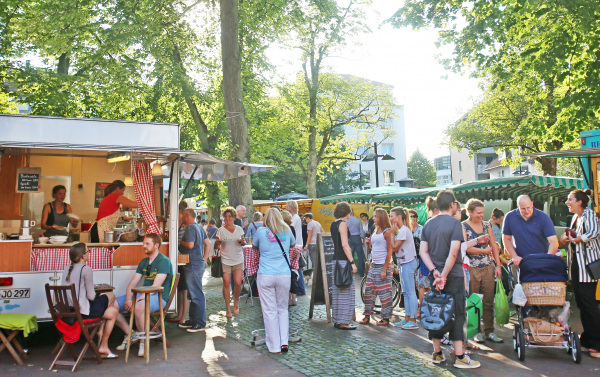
437,311
294,285
543,332
216,267
592,268
342,275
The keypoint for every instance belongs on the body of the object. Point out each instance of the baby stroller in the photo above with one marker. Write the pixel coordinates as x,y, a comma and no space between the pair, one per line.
543,278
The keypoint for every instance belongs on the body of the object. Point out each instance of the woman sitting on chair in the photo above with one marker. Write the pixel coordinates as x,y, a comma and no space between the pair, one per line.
90,305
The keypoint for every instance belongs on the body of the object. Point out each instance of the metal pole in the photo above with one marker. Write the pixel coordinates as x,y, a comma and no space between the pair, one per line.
360,176
376,165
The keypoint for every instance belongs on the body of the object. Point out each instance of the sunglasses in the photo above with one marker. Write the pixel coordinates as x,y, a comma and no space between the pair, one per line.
414,216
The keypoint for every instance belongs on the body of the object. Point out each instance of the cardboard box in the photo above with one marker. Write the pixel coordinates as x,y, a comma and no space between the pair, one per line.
84,237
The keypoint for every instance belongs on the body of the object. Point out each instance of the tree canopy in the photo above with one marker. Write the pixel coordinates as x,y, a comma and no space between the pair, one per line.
421,170
545,52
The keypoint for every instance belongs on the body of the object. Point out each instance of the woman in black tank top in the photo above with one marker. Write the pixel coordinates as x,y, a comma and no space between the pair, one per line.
342,298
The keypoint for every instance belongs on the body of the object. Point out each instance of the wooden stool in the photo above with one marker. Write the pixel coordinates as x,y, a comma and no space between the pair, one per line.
146,335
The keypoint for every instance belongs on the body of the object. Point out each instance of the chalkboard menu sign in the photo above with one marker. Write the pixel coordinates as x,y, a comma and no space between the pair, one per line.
323,274
28,179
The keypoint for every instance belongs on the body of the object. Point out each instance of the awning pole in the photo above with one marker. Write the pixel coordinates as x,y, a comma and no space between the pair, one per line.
583,171
170,181
190,180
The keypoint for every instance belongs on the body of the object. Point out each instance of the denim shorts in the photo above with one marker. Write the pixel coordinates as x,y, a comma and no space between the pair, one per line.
154,305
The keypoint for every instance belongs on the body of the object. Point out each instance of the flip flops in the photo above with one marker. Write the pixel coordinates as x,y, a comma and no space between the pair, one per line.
109,356
383,322
365,320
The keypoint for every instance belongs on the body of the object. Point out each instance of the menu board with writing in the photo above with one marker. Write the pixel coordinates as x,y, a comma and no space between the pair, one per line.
323,274
99,193
28,179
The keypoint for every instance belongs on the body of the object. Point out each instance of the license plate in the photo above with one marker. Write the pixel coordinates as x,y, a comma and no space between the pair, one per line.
14,293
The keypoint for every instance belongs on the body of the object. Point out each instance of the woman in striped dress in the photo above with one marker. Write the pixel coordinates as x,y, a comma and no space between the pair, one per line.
379,278
586,250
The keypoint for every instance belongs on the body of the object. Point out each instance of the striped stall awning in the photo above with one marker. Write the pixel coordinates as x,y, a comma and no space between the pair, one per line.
539,188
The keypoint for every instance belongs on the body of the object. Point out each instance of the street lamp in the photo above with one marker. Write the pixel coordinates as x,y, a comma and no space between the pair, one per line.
375,157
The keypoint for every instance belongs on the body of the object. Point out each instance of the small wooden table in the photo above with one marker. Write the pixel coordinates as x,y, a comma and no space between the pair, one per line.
103,288
146,335
22,322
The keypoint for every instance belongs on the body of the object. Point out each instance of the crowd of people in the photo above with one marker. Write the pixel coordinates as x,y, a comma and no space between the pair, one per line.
455,252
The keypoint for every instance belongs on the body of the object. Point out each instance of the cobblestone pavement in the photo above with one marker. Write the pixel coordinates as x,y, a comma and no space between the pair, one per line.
225,350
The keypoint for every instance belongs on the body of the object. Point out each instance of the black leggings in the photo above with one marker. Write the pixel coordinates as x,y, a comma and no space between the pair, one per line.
585,297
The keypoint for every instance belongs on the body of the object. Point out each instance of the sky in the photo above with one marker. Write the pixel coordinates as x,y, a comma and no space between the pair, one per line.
432,97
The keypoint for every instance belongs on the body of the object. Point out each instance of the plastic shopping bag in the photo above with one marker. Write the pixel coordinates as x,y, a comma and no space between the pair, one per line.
474,310
501,304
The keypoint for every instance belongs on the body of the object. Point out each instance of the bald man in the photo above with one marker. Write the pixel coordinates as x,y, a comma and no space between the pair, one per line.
528,230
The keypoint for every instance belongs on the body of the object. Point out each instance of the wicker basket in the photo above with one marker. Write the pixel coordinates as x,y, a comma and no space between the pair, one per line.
545,293
129,236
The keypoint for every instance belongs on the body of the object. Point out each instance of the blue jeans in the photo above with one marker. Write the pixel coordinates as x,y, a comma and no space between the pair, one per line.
407,275
196,296
301,287
357,247
154,305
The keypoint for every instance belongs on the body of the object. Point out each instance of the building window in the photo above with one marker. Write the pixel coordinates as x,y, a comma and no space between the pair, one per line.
459,165
442,163
388,176
387,149
366,177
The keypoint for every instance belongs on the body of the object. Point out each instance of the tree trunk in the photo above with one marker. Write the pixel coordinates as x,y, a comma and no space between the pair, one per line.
312,85
238,188
213,202
548,165
63,64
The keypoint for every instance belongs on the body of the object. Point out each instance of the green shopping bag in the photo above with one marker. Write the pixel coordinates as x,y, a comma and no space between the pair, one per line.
501,304
474,310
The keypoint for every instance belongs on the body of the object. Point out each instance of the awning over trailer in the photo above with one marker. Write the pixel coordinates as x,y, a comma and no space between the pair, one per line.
364,196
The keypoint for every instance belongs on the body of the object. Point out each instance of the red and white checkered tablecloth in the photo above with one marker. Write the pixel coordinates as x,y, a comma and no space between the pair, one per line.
252,256
56,259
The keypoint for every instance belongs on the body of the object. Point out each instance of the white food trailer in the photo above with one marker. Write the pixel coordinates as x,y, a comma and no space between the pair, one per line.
40,152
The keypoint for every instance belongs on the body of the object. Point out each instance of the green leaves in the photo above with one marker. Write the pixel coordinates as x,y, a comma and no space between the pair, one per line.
421,170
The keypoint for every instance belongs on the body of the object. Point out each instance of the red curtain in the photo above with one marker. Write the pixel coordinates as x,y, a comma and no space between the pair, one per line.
144,194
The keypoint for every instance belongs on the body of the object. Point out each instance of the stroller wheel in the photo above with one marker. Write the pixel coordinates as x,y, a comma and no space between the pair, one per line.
576,348
515,336
521,345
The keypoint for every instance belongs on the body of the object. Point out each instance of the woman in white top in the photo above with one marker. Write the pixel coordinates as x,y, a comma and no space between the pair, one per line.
379,278
230,239
90,305
404,247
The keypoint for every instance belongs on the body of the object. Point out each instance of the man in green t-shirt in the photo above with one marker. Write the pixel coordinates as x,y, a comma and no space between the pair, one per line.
157,271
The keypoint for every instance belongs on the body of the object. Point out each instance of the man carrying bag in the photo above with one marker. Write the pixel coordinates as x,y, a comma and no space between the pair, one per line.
440,248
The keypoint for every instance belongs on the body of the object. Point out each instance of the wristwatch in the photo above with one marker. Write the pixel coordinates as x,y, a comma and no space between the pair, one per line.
351,262
431,271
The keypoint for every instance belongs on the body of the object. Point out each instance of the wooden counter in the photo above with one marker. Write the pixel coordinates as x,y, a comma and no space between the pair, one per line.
15,255
130,254
68,245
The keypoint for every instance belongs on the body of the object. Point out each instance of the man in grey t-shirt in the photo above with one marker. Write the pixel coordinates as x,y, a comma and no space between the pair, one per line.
440,251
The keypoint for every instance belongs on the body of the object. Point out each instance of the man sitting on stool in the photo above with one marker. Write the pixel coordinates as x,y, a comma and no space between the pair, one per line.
157,271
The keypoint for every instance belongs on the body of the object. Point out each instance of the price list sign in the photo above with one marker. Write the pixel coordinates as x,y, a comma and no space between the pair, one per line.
28,180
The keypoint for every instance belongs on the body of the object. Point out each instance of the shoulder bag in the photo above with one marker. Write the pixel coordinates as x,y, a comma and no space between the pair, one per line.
437,311
593,267
294,285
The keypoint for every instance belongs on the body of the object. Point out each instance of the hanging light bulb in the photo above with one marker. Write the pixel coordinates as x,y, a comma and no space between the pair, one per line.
128,181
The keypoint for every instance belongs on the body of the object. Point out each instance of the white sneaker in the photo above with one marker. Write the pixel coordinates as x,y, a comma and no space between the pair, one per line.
141,350
123,346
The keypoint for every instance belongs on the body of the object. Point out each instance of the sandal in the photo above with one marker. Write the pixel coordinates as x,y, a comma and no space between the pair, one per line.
383,322
365,320
472,346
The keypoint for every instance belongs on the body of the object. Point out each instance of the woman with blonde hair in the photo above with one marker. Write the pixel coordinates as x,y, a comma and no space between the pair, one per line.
230,239
342,297
274,240
292,207
379,278
90,305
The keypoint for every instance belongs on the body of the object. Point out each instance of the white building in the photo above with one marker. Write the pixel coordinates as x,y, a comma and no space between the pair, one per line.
497,170
466,168
390,171
443,170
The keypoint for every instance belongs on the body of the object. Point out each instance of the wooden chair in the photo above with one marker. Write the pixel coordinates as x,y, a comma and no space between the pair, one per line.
61,309
155,324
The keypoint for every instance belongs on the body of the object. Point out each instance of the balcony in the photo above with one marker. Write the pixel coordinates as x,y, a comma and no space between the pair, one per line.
481,169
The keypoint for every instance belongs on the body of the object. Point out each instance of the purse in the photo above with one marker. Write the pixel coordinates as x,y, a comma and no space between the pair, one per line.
294,285
543,332
342,276
216,267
